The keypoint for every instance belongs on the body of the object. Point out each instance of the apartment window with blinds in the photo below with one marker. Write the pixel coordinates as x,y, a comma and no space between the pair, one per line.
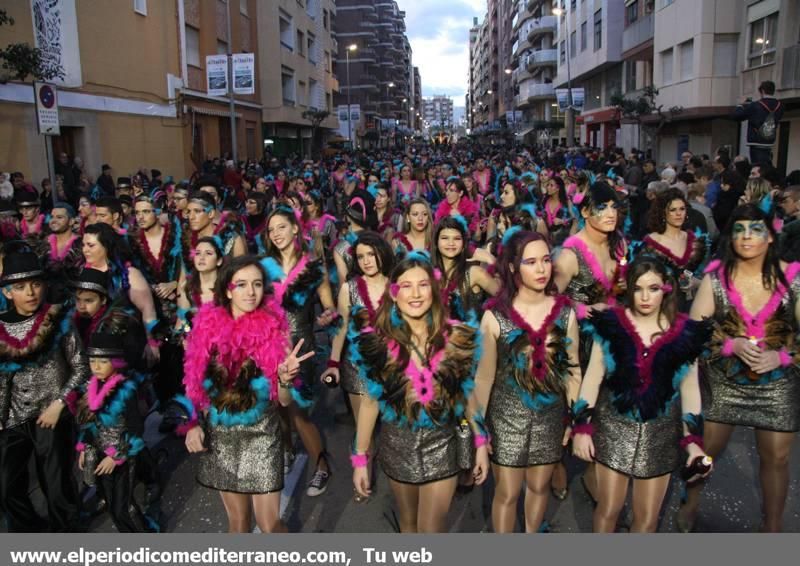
583,36
301,43
312,48
632,12
630,76
140,7
243,7
192,46
687,59
285,26
562,48
762,41
598,29
667,60
288,86
573,44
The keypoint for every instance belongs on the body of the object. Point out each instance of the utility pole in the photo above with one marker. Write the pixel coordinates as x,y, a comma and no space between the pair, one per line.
230,90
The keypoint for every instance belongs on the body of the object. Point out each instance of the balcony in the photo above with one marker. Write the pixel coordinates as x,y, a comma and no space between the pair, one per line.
541,58
540,26
540,91
639,32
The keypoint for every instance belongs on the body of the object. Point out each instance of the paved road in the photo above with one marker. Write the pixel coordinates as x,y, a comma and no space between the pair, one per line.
731,504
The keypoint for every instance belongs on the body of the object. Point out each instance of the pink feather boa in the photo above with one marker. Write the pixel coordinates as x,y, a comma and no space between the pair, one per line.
262,335
466,208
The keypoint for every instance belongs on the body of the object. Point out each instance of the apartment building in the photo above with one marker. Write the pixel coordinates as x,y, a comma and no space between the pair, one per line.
295,71
437,111
113,108
416,109
589,54
533,67
371,35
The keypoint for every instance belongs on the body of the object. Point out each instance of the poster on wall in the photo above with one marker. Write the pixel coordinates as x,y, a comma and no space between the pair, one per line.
562,96
244,73
55,33
355,117
578,97
217,75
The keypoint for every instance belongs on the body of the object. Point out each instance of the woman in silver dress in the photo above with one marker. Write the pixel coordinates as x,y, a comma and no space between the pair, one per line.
527,375
237,370
365,289
751,369
418,367
639,401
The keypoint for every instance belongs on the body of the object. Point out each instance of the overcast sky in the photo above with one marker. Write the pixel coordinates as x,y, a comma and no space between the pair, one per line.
439,34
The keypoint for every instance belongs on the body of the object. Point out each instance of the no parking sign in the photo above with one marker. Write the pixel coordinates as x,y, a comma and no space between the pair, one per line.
46,98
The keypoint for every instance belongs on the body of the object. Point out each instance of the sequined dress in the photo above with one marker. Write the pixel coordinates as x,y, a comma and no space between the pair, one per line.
526,427
637,415
768,401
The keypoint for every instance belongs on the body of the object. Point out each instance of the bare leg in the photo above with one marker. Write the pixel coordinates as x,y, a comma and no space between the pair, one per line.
240,515
715,438
407,497
558,483
590,481
309,436
612,487
507,486
773,451
267,508
537,481
434,502
648,496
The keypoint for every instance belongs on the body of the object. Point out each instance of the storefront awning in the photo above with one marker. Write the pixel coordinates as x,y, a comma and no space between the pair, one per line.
213,112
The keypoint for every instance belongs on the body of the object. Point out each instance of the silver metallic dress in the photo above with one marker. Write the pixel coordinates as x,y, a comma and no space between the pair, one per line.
637,416
418,456
771,402
244,458
523,436
348,374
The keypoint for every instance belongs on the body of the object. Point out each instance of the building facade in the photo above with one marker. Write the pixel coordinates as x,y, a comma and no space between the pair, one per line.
437,112
295,64
374,50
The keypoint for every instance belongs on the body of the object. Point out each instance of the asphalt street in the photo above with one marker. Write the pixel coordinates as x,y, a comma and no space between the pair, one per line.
731,498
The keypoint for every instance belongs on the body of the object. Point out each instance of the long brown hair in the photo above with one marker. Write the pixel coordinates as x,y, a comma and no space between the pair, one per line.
669,304
391,324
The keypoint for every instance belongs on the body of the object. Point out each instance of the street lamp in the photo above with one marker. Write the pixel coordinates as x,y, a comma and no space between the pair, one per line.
569,117
350,48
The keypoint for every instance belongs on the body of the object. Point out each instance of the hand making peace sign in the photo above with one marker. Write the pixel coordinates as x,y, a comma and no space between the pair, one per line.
291,365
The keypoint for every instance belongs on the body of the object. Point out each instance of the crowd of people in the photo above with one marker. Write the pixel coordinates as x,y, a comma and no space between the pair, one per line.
489,313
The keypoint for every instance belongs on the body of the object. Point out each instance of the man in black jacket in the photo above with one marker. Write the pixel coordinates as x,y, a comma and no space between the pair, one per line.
763,117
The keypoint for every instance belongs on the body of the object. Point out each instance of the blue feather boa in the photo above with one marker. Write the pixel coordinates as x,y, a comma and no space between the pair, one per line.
260,385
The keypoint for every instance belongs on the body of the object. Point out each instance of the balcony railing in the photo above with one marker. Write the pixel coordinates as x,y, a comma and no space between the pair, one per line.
638,32
541,58
538,90
545,24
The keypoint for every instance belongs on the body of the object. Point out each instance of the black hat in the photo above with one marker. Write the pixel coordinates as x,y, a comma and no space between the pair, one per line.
123,182
106,345
126,199
26,198
154,173
93,280
19,266
105,167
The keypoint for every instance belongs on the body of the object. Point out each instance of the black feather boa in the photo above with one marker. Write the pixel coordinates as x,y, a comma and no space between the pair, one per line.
643,381
300,291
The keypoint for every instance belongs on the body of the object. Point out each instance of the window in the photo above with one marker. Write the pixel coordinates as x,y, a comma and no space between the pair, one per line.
222,48
328,61
598,29
632,12
573,45
762,41
140,7
314,95
243,7
301,43
666,66
312,9
725,47
583,36
325,19
630,76
192,46
287,86
312,49
665,3
687,59
287,38
562,48
302,98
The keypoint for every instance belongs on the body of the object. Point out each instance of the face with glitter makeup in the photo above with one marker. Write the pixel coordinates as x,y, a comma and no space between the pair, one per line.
602,217
246,290
414,293
751,238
